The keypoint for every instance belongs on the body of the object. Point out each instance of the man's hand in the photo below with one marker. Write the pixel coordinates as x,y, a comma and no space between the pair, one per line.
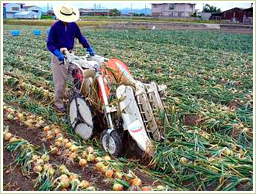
90,51
58,54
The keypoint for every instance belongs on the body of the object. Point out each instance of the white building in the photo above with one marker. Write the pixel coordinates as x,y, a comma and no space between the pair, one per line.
26,15
173,9
34,9
12,8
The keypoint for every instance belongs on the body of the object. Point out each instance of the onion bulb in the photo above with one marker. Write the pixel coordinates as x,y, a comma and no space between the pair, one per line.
117,187
45,157
73,148
107,158
99,165
7,136
65,183
98,159
73,176
145,188
68,145
136,182
83,162
58,143
38,169
109,173
84,184
46,128
13,139
9,117
62,168
90,157
90,150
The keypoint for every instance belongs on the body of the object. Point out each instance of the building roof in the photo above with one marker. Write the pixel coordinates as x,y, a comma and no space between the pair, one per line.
23,13
99,10
174,3
249,9
28,6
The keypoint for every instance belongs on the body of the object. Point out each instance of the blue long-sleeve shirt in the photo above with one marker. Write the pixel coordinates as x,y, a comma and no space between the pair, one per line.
63,36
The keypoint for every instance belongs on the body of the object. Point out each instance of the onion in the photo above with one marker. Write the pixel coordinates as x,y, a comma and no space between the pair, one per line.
45,157
37,125
90,150
39,161
9,117
90,157
84,154
35,157
38,169
5,107
58,143
60,139
91,188
73,176
145,188
7,136
28,123
107,158
46,128
109,173
118,175
56,132
136,182
51,172
73,148
54,150
99,165
13,139
49,137
104,169
117,187
63,176
183,160
62,168
65,183
64,141
83,162
84,184
47,166
68,145
98,159
160,188
73,155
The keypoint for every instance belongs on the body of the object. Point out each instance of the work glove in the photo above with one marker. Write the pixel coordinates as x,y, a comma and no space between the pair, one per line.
90,51
58,54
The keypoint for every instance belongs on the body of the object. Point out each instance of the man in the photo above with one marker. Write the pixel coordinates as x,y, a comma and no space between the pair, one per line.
62,35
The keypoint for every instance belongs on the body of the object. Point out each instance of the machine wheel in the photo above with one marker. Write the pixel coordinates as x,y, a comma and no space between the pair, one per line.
80,117
115,142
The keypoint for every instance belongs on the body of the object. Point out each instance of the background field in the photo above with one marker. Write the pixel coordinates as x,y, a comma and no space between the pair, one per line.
209,75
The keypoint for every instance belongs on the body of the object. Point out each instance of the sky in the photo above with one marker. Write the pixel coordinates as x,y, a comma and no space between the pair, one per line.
135,5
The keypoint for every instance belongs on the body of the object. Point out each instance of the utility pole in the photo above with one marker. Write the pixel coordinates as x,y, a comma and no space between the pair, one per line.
131,8
145,8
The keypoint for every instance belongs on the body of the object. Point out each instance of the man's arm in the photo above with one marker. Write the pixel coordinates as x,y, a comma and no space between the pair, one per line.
81,38
50,40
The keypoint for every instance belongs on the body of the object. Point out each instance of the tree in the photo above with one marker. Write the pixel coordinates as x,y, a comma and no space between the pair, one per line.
114,12
211,9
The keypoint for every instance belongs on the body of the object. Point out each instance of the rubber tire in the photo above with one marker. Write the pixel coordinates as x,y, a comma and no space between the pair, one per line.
117,139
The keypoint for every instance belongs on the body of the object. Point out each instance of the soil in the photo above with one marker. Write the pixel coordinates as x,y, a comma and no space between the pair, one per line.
229,28
191,120
15,180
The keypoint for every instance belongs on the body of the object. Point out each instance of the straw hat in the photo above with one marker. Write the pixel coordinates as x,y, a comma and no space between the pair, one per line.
66,13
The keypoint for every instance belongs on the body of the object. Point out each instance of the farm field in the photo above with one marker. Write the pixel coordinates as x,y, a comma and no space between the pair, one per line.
208,145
